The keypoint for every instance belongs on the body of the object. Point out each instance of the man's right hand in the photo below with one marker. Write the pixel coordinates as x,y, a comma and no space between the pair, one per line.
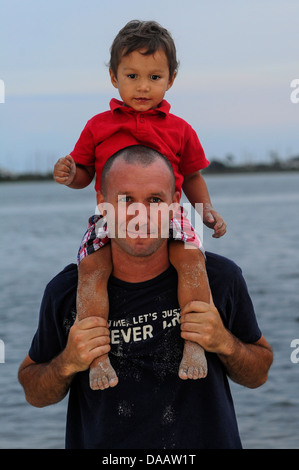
48,383
88,339
64,170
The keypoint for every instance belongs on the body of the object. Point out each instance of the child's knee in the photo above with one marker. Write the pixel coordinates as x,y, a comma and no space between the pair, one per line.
88,264
180,254
95,264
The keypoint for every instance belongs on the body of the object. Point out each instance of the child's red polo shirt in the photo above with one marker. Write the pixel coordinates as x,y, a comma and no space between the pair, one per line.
121,126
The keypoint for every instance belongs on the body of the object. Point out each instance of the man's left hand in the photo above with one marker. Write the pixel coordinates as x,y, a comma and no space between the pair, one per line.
202,324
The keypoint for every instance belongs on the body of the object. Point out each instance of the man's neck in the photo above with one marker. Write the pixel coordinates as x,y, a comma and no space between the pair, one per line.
131,268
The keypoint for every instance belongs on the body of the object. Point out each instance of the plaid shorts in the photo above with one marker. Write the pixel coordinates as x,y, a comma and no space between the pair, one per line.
97,234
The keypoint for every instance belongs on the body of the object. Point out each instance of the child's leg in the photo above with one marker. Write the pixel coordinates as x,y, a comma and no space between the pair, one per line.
92,300
192,285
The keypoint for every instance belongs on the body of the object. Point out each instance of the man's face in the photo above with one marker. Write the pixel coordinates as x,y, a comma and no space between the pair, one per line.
136,195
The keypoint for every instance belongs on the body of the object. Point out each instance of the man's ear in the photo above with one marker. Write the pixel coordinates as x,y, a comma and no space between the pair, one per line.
175,203
100,201
113,79
171,80
176,197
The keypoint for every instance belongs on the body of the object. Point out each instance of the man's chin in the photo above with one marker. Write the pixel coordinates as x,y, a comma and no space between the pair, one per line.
140,247
142,250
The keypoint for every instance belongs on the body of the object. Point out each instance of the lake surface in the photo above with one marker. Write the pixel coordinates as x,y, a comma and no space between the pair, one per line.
41,227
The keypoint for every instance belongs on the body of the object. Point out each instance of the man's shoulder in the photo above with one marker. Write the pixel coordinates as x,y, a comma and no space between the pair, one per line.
222,266
64,281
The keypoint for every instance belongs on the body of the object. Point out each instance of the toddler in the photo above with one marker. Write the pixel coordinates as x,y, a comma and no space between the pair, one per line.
143,66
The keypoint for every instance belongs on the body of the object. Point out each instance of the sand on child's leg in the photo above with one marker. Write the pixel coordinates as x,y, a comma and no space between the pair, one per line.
192,285
92,300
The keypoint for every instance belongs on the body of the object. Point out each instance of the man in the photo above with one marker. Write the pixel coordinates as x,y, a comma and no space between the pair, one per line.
151,407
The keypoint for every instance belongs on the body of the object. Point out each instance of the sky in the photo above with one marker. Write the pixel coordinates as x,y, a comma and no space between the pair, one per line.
238,59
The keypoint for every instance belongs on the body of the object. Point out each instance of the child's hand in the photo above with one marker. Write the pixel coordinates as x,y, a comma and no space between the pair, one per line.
64,170
212,219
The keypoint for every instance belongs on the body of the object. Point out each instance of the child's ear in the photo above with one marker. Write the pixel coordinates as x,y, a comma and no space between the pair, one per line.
171,80
113,79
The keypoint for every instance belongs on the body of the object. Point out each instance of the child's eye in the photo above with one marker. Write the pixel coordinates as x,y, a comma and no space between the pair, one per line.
155,77
132,75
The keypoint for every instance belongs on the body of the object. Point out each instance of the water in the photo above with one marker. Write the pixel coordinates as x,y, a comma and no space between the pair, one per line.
42,224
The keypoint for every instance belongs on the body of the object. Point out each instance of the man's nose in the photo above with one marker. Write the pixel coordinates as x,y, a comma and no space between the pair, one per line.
140,210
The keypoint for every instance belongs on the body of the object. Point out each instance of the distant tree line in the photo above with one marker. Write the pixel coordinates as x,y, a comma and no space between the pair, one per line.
216,166
228,165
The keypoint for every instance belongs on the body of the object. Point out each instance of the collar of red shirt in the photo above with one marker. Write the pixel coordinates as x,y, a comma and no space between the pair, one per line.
163,107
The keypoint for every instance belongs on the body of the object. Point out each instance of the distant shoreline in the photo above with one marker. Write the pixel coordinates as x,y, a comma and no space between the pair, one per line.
216,167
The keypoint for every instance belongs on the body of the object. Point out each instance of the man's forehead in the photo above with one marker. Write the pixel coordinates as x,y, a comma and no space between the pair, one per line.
143,187
138,165
129,171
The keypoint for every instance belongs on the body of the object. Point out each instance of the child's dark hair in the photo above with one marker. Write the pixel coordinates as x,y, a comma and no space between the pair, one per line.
147,35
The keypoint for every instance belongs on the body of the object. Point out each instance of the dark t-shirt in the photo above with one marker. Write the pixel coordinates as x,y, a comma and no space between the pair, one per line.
151,407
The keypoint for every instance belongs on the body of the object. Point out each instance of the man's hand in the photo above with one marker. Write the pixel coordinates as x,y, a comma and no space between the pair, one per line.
213,219
88,339
246,363
64,170
202,324
48,383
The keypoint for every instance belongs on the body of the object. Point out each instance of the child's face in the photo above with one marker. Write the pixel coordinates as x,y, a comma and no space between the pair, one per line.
142,80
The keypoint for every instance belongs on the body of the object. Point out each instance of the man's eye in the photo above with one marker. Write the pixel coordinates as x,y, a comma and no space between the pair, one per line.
124,198
156,200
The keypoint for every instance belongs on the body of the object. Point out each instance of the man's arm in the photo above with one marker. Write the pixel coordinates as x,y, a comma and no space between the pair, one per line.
48,383
44,384
246,363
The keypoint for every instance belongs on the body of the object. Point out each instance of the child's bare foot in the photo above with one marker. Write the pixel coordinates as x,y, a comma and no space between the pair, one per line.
193,364
101,374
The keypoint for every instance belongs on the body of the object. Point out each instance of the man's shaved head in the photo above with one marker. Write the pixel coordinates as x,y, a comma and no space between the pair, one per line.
139,155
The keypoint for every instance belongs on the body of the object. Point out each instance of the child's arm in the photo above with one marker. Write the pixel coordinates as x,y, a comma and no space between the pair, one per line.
75,176
196,190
